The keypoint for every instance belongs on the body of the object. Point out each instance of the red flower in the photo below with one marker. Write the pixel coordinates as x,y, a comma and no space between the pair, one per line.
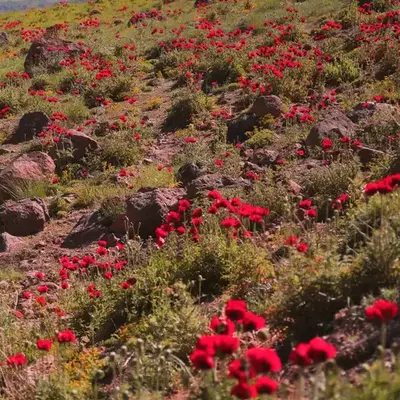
312,213
201,359
263,360
16,360
253,322
42,289
197,213
181,230
213,194
206,343
320,350
239,369
108,275
300,153
235,310
222,326
27,295
41,300
265,385
243,390
39,275
382,310
184,205
197,221
173,217
125,285
44,344
225,344
305,204
66,337
101,251
299,355
302,248
291,240
326,144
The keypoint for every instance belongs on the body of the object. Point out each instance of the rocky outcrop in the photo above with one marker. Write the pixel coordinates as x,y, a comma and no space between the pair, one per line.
147,209
24,217
89,229
8,242
29,126
30,167
76,144
46,54
267,105
189,172
238,128
334,123
214,181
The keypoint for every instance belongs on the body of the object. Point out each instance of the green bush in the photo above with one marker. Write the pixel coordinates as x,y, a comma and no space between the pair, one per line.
185,108
342,70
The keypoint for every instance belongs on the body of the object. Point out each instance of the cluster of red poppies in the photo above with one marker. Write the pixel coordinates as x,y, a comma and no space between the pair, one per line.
251,366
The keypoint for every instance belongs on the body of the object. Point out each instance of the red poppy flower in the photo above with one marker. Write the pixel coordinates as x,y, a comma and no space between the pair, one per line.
202,360
222,326
265,385
382,310
302,248
17,360
263,360
42,289
235,310
291,240
299,355
253,322
44,344
66,337
305,204
41,300
243,390
320,350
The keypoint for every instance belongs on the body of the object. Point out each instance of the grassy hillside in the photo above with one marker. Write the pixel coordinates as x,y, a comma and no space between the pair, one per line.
214,213
13,5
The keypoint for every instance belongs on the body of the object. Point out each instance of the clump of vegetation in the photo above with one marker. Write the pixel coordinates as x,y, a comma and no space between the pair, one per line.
186,107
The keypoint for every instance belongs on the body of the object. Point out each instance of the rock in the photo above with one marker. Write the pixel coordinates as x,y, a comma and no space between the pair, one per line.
30,167
8,242
366,154
147,209
334,122
111,239
372,114
78,143
24,217
189,172
215,181
29,126
3,38
294,187
249,166
265,105
90,228
238,127
46,53
264,157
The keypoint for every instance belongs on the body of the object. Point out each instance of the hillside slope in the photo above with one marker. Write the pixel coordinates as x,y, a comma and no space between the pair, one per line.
15,5
200,201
